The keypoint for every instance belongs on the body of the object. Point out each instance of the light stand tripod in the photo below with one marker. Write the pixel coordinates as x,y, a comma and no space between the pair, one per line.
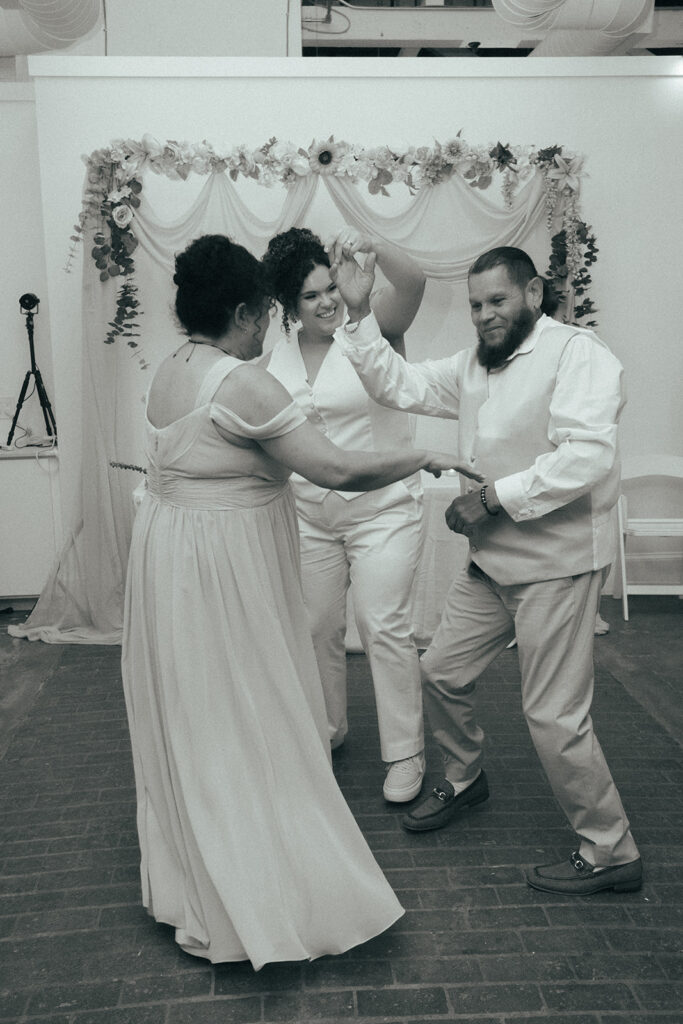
28,304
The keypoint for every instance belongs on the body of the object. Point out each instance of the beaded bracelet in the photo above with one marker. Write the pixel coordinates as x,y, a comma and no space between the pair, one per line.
351,328
482,495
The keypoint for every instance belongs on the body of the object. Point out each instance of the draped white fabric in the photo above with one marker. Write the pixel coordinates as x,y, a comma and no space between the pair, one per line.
444,227
427,226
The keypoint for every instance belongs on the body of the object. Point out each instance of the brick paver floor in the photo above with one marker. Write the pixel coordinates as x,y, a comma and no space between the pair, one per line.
475,945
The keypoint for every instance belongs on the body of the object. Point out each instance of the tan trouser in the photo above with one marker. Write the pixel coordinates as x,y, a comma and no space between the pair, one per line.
554,622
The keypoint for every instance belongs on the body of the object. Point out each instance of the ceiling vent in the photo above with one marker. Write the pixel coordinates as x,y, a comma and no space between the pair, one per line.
30,26
580,28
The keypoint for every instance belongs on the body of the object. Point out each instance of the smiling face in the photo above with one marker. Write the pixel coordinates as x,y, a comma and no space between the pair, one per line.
503,312
320,307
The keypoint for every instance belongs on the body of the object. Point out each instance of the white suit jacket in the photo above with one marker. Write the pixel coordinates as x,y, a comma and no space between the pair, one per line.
340,407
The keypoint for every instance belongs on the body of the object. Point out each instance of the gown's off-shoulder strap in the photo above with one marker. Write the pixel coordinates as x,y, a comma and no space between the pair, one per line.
287,419
214,378
281,423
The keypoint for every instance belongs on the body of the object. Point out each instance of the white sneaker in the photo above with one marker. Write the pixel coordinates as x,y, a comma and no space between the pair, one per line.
404,779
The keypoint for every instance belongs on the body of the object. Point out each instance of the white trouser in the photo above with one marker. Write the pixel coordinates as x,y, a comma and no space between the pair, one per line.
554,622
373,541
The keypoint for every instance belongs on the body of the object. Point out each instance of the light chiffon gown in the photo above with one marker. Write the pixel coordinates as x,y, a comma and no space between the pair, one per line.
249,849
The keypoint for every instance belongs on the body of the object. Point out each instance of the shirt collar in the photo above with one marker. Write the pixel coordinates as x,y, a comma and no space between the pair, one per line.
529,343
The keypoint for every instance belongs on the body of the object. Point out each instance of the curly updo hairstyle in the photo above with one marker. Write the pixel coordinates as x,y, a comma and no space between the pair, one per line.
215,275
289,259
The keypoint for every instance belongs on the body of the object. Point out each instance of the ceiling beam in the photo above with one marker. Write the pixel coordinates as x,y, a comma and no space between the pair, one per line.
412,29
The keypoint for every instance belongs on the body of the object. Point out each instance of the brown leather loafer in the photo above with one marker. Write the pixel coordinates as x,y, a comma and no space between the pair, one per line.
442,805
576,877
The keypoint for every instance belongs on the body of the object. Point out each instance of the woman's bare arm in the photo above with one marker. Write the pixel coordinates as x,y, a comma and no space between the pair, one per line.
256,397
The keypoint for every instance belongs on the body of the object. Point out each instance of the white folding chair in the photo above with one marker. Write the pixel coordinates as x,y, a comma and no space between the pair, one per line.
664,478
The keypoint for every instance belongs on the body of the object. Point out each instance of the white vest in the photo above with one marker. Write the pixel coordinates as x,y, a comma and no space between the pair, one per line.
506,436
338,405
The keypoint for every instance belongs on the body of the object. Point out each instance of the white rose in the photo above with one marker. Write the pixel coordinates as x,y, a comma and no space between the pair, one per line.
300,165
282,150
122,215
201,164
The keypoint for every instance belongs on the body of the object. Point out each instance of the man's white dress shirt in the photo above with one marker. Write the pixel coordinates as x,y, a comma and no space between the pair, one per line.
543,427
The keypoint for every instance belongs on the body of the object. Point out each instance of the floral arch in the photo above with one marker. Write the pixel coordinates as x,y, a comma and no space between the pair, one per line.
115,182
445,203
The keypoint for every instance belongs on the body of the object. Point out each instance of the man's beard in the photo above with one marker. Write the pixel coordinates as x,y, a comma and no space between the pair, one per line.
493,356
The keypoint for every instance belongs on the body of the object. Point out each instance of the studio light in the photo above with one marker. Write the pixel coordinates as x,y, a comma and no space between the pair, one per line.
28,305
29,302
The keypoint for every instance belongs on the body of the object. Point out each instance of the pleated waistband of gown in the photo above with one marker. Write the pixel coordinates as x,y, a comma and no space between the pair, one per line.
212,493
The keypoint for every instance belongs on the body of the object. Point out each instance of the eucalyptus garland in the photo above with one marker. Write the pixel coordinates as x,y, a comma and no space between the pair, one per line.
114,186
562,270
128,465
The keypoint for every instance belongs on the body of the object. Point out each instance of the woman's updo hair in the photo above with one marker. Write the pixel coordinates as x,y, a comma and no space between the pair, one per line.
521,270
215,275
289,259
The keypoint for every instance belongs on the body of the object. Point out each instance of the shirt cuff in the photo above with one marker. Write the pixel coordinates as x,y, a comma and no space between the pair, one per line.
515,501
366,334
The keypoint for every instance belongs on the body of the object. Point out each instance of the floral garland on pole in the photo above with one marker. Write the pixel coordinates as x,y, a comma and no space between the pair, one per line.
114,188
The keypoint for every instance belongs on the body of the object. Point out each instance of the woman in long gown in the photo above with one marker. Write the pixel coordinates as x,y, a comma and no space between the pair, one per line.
248,847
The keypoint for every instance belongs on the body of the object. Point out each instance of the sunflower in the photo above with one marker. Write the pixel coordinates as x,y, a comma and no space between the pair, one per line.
324,157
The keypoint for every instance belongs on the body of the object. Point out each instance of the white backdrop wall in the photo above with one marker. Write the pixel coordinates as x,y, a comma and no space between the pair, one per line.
622,113
22,257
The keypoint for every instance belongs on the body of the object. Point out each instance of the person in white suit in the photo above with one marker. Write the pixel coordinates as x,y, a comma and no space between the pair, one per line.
538,404
372,540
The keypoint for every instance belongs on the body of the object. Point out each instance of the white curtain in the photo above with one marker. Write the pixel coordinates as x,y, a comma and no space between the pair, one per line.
447,226
444,227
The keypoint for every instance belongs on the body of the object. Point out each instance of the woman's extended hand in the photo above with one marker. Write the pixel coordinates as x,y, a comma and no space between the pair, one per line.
438,462
354,282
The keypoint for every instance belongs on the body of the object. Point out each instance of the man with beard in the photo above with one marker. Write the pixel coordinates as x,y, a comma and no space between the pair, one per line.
538,403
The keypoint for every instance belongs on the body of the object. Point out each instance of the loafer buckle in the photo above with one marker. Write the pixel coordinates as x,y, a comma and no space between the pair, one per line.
577,862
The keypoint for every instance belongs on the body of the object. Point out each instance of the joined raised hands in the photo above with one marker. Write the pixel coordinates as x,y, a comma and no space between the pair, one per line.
355,282
347,242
